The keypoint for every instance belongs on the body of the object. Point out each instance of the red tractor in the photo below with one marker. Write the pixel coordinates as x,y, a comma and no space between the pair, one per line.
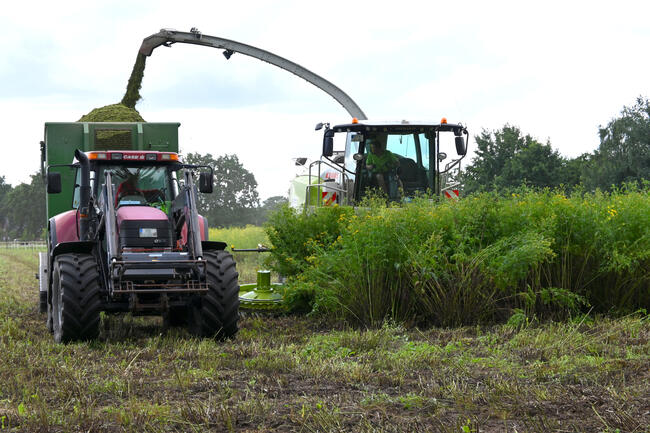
133,241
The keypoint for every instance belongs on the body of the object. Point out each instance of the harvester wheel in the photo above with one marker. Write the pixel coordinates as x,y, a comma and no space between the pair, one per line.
76,300
215,314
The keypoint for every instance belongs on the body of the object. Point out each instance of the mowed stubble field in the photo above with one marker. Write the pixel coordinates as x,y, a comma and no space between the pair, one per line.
299,373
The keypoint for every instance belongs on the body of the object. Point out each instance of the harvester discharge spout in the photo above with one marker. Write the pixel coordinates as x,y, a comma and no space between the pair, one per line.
168,37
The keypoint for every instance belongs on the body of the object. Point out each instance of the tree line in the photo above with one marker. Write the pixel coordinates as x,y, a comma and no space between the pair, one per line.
507,158
234,201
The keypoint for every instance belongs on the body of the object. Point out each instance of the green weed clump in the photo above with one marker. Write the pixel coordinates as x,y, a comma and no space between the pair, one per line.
482,259
297,237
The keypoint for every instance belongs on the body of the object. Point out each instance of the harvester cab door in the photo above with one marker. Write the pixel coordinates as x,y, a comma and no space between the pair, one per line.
412,150
352,167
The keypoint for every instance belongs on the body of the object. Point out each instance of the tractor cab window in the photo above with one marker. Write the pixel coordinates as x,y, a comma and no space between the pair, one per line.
75,194
140,185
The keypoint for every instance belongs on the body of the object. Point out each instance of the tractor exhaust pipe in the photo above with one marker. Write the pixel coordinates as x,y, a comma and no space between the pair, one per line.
84,195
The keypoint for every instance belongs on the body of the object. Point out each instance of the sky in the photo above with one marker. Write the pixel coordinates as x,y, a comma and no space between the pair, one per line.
557,70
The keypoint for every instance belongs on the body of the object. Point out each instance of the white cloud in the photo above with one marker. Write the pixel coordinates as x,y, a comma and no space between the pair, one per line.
555,69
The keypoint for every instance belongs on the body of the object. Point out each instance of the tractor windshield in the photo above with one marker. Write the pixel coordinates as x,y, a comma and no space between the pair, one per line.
132,185
139,185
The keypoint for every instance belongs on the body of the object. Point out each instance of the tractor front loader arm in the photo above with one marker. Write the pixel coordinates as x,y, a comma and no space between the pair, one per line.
185,208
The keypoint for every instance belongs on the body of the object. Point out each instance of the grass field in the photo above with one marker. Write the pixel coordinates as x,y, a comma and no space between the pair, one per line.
248,237
298,374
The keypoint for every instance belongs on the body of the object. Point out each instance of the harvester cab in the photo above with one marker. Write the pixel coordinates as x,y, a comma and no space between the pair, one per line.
398,159
131,238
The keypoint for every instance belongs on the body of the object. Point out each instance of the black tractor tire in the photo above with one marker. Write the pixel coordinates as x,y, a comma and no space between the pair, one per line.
50,326
216,313
176,317
76,298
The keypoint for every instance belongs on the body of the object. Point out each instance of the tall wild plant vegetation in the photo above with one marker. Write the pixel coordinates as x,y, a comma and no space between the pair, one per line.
482,259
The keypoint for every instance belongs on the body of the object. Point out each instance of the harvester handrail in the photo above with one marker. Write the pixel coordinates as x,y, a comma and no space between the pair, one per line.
322,185
450,186
336,167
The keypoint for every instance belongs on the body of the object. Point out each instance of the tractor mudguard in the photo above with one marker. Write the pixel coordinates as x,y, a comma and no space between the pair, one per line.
82,247
63,227
213,246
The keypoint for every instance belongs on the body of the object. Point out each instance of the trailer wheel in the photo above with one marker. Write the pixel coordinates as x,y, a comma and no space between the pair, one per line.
215,314
76,299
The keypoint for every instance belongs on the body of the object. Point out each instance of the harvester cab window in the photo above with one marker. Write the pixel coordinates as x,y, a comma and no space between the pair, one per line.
352,148
402,145
411,149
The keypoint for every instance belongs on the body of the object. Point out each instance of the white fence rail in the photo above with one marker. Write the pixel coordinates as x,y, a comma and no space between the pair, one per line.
17,243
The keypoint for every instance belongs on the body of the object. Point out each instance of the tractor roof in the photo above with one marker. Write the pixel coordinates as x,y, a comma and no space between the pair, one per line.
369,125
128,156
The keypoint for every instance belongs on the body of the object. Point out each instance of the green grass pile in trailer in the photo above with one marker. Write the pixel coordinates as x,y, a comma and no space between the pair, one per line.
482,259
112,113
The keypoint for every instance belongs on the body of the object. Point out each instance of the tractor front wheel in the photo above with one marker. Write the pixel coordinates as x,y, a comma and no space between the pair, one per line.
76,298
215,314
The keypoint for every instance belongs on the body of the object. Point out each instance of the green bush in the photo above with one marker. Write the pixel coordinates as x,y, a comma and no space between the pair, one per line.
297,237
472,261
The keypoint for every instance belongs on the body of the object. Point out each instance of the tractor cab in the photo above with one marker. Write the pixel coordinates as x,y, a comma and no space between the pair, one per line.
396,159
138,178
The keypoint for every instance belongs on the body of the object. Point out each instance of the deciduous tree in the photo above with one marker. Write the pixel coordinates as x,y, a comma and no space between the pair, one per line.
235,200
624,151
506,159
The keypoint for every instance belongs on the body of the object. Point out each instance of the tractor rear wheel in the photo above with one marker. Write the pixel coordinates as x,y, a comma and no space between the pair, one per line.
76,298
215,314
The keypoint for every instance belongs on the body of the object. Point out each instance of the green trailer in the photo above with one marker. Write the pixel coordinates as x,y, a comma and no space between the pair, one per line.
63,138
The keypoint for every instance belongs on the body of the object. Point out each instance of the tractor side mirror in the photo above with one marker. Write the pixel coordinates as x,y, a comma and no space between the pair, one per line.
206,180
461,148
53,183
328,143
442,156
